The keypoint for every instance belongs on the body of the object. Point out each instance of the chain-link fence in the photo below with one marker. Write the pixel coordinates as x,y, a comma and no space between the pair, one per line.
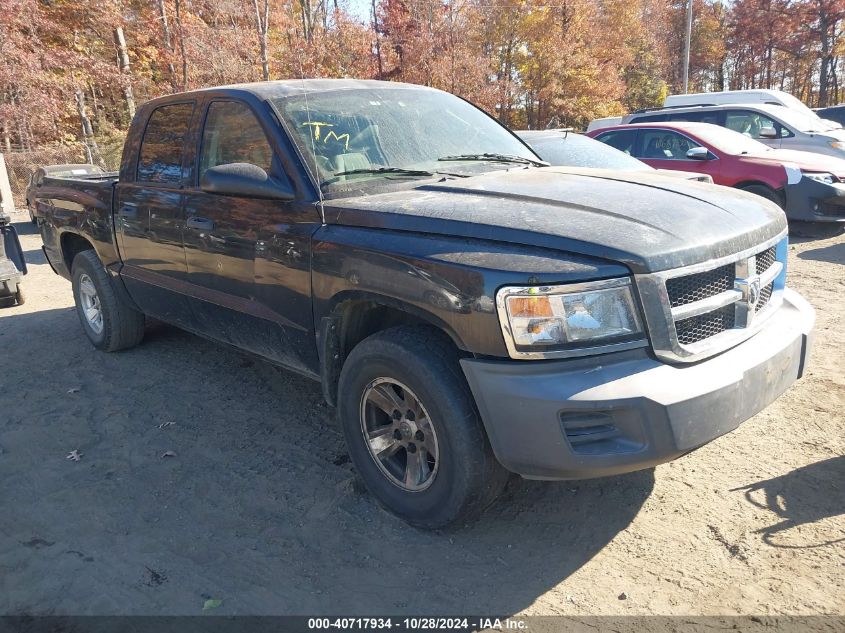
20,164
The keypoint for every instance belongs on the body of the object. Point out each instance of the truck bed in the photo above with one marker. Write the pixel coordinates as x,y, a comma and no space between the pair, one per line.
80,205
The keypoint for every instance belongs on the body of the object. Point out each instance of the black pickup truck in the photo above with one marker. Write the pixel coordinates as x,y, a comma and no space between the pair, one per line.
469,311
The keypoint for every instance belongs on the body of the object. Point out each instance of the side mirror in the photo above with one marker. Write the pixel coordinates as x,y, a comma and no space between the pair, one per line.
245,180
698,153
768,132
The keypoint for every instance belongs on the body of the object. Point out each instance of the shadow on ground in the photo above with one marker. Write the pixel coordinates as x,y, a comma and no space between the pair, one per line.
205,474
834,254
805,495
25,227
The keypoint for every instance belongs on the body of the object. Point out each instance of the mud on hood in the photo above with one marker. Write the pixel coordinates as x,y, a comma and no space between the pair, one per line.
647,221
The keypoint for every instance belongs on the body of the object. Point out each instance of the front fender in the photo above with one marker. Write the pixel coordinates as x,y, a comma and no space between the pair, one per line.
446,281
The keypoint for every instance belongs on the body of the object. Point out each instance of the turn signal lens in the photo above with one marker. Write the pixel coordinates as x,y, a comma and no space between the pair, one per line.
530,307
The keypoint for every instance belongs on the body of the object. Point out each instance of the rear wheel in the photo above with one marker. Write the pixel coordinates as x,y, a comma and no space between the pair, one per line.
765,192
413,432
109,321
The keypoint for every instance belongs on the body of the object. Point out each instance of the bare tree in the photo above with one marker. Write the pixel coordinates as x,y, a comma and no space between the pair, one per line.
181,34
168,43
378,41
262,26
91,149
123,63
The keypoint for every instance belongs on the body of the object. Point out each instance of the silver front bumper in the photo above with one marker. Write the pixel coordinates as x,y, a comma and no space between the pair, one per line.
621,412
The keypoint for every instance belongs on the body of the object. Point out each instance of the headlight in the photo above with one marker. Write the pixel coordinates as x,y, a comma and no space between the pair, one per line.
840,145
827,179
569,320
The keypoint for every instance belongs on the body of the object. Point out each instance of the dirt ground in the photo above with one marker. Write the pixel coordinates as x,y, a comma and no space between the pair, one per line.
260,509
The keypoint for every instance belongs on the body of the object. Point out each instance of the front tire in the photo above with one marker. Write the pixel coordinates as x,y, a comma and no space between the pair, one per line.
108,320
765,192
413,431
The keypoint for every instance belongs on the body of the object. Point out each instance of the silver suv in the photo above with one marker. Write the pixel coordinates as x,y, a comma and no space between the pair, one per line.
773,125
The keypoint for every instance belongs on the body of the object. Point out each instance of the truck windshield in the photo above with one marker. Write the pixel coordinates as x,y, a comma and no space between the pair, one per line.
355,136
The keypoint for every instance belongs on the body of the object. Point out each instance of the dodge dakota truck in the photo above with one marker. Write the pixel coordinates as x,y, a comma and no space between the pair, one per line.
469,311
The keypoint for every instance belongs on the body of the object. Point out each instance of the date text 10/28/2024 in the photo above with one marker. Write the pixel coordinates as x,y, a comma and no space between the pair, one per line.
418,624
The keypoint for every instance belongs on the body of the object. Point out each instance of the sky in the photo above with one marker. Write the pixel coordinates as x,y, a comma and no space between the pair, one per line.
359,9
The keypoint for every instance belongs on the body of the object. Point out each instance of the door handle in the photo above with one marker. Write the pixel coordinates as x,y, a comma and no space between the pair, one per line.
128,212
204,224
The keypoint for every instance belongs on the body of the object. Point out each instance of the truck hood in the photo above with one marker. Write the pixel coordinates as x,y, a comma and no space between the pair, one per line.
646,221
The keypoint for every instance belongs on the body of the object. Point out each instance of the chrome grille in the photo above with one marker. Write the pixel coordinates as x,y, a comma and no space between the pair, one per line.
703,309
692,288
689,289
765,296
706,325
765,259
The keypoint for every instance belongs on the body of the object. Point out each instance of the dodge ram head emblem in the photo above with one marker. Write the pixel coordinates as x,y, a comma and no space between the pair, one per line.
747,307
753,292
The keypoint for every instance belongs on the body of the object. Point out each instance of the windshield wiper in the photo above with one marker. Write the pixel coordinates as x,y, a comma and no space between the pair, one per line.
497,158
388,170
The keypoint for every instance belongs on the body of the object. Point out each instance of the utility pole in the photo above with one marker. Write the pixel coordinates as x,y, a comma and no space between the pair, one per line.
687,46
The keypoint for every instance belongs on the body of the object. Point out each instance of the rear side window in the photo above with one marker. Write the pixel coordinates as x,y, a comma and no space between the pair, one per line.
665,145
623,140
233,135
708,116
163,144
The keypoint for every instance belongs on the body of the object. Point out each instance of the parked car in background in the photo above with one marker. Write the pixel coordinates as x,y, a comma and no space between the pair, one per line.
585,325
834,113
750,97
569,149
36,178
809,187
604,122
776,126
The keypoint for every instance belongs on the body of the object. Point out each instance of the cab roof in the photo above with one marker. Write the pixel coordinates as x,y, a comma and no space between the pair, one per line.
265,90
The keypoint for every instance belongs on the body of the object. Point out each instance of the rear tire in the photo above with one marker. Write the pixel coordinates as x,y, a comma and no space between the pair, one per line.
109,321
765,192
439,467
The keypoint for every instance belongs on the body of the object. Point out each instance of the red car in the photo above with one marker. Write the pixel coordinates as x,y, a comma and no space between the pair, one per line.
809,187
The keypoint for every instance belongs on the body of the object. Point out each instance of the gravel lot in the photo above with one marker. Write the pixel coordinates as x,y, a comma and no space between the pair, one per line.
260,509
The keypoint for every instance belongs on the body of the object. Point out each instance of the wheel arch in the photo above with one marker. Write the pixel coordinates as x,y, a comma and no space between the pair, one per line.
779,192
353,317
71,244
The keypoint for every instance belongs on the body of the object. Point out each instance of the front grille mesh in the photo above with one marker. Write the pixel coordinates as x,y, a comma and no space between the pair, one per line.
765,260
765,295
704,326
691,288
